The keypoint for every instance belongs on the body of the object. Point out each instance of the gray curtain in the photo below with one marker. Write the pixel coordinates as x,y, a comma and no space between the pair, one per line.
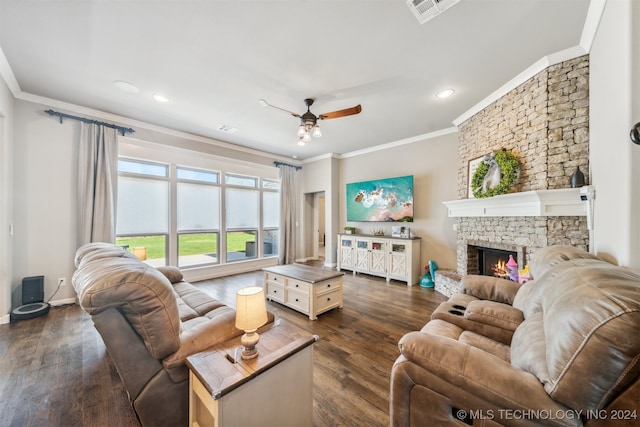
287,253
97,183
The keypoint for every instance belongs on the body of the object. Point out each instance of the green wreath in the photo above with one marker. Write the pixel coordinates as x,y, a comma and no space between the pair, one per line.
509,171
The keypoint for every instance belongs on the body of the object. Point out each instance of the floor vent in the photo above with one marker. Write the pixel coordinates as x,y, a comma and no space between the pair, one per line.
426,10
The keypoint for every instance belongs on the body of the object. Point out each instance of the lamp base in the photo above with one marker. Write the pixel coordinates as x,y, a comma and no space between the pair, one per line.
249,341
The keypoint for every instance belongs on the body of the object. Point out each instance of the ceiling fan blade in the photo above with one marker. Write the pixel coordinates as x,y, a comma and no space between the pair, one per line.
341,113
266,104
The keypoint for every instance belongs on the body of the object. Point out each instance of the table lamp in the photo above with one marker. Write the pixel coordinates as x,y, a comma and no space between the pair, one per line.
251,313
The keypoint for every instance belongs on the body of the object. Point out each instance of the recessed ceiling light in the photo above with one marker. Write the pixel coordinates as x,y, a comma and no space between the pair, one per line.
160,98
126,86
445,93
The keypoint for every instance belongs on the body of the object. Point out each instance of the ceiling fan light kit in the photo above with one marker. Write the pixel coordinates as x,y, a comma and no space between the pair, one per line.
309,122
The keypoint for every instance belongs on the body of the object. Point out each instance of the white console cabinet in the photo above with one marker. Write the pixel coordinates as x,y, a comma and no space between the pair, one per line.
384,256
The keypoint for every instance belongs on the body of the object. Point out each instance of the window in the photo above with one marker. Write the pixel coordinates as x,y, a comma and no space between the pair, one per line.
198,216
170,214
142,224
242,217
270,216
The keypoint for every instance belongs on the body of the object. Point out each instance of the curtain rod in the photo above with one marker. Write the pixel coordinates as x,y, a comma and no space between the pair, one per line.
123,130
278,164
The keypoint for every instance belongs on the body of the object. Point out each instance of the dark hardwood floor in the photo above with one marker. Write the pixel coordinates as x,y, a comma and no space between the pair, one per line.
54,370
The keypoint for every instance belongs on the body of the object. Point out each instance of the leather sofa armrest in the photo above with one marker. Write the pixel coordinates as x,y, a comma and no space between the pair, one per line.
465,370
495,314
490,288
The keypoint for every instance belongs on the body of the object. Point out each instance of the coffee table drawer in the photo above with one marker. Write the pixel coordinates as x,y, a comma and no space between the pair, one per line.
275,291
328,300
298,300
272,277
298,286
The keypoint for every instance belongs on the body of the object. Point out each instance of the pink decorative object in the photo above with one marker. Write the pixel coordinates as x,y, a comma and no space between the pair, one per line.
512,269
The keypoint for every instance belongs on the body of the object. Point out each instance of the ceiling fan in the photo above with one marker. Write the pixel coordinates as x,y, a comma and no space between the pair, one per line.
309,121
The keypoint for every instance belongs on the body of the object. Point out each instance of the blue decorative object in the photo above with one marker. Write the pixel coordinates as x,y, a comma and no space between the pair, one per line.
426,281
433,267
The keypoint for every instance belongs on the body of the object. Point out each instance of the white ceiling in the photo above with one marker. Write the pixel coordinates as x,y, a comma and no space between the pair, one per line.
215,59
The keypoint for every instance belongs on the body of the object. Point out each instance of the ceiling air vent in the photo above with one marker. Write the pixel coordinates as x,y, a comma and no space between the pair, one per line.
227,129
426,10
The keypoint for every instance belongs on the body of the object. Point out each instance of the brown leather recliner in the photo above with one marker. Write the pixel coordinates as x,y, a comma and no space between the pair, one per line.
560,350
150,321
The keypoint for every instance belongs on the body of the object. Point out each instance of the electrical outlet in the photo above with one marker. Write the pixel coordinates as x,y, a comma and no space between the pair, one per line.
62,281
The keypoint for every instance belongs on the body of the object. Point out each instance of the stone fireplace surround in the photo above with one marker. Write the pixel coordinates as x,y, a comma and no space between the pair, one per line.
545,122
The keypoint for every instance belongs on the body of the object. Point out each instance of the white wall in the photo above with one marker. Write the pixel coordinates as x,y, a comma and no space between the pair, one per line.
614,107
6,194
432,162
44,193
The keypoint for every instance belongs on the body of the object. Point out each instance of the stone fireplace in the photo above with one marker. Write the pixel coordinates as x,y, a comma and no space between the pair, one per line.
545,123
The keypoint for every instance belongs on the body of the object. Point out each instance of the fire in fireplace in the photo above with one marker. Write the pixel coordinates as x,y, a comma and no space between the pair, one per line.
493,262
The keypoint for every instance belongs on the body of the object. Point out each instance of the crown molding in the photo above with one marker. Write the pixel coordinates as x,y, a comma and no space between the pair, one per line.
7,74
405,141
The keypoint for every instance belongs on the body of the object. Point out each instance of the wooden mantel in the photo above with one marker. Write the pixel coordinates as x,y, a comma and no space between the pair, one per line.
560,202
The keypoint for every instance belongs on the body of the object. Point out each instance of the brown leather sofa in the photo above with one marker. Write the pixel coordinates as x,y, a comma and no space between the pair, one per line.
560,350
150,320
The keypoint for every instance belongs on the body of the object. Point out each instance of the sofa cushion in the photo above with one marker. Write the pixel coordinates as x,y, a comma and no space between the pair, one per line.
590,317
192,302
528,348
172,273
523,294
100,250
548,257
489,288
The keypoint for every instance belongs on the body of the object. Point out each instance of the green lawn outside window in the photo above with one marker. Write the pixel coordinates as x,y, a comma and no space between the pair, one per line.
192,244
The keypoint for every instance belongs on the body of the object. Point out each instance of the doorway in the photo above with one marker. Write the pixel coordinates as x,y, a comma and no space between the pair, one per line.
314,232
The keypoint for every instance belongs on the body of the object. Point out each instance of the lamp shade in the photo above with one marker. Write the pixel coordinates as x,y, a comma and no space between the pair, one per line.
251,309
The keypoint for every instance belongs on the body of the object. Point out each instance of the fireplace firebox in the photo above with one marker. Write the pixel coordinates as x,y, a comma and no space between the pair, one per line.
493,262
490,258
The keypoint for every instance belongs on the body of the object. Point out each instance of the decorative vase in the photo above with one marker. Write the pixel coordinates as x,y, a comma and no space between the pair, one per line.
426,281
577,179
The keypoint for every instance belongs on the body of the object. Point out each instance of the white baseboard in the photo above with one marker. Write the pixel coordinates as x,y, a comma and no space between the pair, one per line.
64,301
4,319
